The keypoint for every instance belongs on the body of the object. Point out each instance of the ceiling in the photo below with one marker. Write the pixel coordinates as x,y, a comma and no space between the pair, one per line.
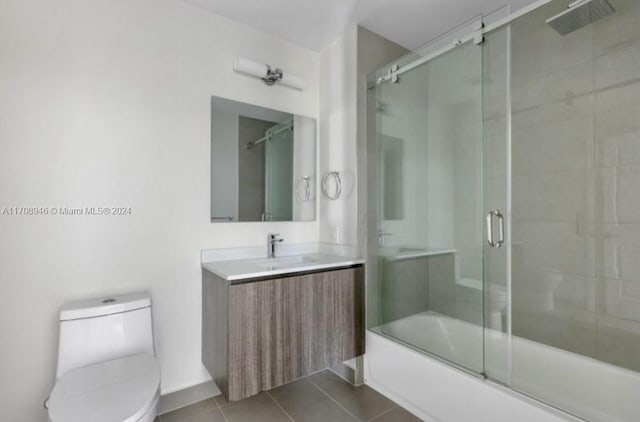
314,24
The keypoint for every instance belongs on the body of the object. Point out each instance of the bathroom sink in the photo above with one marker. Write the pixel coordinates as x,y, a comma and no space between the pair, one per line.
284,262
261,267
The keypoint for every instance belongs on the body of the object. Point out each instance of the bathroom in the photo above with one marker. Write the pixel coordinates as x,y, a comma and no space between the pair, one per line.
456,182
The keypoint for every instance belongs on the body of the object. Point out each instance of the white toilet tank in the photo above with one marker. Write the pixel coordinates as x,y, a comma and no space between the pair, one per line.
98,330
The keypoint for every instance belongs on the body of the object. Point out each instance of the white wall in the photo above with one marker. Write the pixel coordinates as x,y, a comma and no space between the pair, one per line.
304,165
107,103
338,114
344,66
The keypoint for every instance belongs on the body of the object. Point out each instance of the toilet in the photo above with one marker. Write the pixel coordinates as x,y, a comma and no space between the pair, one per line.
106,371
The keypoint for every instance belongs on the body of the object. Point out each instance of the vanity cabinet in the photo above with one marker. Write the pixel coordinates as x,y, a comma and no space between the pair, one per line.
260,334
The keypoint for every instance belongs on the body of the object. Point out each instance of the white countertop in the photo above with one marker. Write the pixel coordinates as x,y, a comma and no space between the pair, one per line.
242,269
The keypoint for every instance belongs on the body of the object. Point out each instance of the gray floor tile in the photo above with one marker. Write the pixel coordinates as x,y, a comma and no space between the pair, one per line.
186,413
211,415
221,400
398,414
260,408
304,402
362,402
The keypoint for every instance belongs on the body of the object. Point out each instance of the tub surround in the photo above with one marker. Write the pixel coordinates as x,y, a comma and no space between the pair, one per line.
536,370
433,390
398,253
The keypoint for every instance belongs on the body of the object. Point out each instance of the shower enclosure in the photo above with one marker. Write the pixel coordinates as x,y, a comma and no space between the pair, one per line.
504,204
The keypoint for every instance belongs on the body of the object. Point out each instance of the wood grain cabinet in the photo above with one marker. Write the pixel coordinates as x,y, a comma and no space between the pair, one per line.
262,334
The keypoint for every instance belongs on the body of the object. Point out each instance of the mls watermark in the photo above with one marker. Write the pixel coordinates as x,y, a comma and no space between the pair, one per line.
66,211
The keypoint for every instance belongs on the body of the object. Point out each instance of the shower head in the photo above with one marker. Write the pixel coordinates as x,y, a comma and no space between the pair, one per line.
580,13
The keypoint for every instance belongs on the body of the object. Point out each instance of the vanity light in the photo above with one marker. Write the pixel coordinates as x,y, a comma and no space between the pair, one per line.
268,74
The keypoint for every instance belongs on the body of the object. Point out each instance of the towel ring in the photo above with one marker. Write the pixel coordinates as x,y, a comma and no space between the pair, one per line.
304,196
336,180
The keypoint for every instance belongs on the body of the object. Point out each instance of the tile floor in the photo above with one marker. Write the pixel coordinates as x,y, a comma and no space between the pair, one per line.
323,397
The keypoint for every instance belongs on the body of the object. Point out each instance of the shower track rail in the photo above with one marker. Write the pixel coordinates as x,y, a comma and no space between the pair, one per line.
395,70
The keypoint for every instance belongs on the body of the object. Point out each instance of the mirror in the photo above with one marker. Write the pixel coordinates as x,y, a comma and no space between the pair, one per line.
263,164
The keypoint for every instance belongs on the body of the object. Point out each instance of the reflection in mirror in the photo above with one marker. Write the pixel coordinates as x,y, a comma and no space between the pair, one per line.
263,164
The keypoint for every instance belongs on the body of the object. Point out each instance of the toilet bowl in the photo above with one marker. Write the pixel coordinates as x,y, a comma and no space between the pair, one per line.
123,390
107,371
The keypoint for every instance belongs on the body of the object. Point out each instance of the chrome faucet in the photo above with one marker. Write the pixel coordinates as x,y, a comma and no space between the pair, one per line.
272,239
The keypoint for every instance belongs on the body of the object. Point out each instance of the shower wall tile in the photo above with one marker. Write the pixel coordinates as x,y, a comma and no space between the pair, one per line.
601,250
405,287
549,197
495,193
602,204
554,293
618,65
495,151
614,195
533,40
619,323
587,249
627,234
628,193
618,348
567,106
556,85
614,119
618,150
468,238
555,309
622,301
449,298
553,146
575,297
552,247
617,139
624,29
623,254
617,98
563,332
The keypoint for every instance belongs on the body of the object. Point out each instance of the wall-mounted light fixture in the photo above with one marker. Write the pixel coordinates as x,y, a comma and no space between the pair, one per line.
268,74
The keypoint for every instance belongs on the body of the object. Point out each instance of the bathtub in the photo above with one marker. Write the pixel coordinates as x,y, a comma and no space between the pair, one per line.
435,391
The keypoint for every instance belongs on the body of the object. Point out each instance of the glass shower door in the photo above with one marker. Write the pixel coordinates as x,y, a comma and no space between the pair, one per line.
428,285
576,173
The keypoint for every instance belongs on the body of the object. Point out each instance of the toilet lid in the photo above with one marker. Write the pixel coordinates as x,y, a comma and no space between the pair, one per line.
119,390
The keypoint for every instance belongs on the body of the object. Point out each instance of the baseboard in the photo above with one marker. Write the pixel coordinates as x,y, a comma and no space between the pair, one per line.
187,396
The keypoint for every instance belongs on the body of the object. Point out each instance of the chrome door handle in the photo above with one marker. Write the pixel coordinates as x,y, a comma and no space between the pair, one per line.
490,217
